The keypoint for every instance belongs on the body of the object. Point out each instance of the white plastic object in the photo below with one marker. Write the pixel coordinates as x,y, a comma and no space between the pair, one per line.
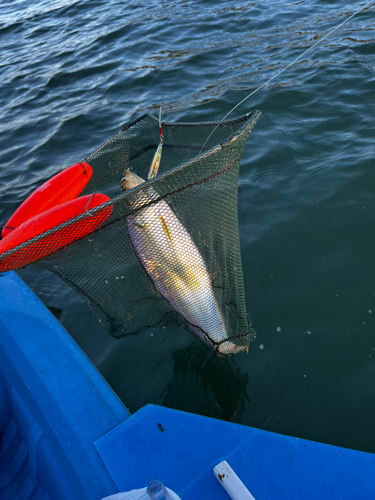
231,482
157,491
140,494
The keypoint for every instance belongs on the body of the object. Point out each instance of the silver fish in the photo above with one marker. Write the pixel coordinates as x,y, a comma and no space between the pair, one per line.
176,267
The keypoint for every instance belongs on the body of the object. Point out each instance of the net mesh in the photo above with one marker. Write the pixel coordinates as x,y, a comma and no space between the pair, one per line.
167,251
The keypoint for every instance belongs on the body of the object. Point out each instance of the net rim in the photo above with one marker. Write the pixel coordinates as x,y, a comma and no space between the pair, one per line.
249,119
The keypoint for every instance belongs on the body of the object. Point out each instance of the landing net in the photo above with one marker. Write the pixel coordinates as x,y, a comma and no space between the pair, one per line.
169,253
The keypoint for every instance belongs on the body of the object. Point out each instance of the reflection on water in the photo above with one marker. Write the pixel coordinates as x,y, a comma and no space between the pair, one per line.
206,385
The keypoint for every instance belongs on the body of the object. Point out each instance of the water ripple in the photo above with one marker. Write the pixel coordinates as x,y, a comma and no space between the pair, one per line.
74,71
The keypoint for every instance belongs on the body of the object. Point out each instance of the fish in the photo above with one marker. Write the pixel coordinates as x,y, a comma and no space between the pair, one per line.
175,266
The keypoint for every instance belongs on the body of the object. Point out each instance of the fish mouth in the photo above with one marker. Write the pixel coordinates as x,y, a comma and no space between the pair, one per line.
130,180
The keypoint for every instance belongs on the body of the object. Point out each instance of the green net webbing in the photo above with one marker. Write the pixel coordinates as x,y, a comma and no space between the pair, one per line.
169,253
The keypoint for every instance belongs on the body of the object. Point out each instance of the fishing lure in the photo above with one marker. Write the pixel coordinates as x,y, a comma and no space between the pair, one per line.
156,160
154,167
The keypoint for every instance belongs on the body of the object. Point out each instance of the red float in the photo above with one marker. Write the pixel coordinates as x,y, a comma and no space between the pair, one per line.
45,222
59,235
63,187
55,216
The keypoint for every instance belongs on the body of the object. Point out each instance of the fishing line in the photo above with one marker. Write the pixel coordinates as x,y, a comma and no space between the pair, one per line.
288,66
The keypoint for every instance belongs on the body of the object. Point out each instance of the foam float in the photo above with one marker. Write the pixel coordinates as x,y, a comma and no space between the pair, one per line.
48,220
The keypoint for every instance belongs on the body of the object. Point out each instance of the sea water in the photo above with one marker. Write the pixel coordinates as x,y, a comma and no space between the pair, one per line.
73,72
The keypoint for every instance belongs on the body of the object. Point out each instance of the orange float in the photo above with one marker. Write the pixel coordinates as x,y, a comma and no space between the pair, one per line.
45,222
64,186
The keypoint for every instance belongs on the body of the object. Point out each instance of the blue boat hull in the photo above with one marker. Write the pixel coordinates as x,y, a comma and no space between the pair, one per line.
65,435
53,405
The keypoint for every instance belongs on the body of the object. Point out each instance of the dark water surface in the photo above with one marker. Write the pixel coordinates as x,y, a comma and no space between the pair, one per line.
73,72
